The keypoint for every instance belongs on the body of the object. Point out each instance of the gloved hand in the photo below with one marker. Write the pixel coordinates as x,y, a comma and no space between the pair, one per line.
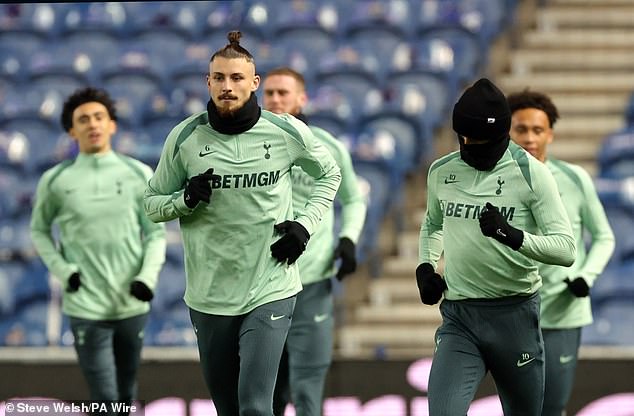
198,188
140,291
578,287
494,225
430,284
293,242
73,283
346,250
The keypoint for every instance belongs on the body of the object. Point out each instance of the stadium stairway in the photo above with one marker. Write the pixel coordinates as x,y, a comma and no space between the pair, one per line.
579,52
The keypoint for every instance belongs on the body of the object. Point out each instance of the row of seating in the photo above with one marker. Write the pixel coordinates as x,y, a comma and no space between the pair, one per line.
268,18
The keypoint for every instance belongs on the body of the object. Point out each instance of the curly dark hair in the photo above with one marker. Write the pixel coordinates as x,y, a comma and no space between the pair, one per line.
533,99
83,96
233,49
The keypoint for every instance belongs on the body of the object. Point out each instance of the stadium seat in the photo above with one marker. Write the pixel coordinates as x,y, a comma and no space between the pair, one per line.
13,198
375,182
15,239
136,71
612,324
419,92
59,68
376,16
27,328
183,18
95,18
469,54
406,134
13,66
40,141
137,143
616,154
327,99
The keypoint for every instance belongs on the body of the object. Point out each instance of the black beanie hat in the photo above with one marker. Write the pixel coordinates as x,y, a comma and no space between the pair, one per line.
482,113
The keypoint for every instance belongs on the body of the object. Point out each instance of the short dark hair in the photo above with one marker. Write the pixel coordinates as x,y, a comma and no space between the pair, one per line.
533,99
83,96
284,70
233,49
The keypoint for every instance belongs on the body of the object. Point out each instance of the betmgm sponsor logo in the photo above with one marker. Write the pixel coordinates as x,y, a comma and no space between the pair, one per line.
471,211
245,180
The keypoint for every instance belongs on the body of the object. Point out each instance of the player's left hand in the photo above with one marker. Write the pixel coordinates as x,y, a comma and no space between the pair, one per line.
346,250
292,243
140,291
578,287
494,225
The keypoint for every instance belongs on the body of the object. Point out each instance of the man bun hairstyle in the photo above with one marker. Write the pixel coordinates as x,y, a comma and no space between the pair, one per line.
83,96
532,99
233,49
482,113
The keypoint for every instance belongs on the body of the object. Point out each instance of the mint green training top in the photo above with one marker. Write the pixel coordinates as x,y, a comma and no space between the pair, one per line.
481,267
228,262
317,262
560,308
104,234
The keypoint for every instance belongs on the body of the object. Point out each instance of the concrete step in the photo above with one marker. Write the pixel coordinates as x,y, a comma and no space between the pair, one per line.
394,290
552,18
585,39
569,82
570,104
399,266
590,3
416,313
526,61
354,339
597,126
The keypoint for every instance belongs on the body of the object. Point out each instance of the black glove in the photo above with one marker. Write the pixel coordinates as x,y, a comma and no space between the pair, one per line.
73,283
578,287
293,242
494,225
430,284
198,188
346,250
139,290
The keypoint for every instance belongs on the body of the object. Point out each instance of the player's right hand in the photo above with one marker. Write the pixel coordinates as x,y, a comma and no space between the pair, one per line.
73,283
430,285
198,188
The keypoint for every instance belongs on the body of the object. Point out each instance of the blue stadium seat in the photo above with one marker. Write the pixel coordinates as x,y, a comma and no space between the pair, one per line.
60,68
136,143
612,324
328,122
41,18
378,16
258,17
164,46
311,42
12,200
616,154
15,239
183,18
94,17
420,93
136,71
13,65
376,184
307,15
469,55
41,138
406,135
614,283
27,327
330,101
222,16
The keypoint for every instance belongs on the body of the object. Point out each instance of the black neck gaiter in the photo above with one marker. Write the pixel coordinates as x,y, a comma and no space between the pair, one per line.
240,121
483,156
302,117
